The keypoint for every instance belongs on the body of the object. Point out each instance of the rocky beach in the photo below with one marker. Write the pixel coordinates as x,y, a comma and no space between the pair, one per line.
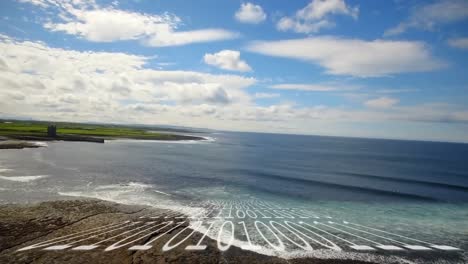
25,225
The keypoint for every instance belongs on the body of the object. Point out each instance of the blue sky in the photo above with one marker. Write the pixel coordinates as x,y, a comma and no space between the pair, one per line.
390,69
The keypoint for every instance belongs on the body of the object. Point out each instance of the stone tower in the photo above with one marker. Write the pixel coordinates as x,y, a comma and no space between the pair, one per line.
52,131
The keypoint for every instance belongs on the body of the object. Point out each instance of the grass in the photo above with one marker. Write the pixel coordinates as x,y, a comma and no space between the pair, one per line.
37,128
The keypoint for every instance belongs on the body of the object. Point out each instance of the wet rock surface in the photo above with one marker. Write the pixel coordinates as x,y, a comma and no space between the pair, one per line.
17,144
25,225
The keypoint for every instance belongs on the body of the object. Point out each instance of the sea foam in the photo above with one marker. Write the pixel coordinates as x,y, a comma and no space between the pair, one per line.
23,178
129,140
39,143
138,193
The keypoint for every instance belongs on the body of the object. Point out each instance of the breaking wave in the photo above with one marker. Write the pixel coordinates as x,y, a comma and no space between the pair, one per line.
23,178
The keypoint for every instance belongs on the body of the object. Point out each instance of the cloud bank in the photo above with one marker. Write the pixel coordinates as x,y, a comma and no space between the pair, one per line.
316,16
85,19
353,57
429,16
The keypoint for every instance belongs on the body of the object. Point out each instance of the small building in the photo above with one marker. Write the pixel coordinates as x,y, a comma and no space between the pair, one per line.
52,131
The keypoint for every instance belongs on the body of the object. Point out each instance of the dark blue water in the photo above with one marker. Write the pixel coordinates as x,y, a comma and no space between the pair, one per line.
331,168
299,167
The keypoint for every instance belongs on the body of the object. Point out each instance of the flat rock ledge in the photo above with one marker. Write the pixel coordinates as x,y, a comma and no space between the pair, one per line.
24,225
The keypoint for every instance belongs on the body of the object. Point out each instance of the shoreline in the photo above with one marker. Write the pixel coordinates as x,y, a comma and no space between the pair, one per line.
23,225
19,144
22,142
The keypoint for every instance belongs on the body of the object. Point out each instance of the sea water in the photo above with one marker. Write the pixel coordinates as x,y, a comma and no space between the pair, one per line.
411,188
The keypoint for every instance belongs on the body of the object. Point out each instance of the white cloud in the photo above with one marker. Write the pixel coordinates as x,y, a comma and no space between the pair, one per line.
41,3
93,86
107,24
461,43
305,87
250,13
169,38
286,23
227,60
353,56
427,17
316,16
318,9
381,102
41,82
266,95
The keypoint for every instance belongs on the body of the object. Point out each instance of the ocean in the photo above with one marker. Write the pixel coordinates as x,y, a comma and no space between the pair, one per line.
407,189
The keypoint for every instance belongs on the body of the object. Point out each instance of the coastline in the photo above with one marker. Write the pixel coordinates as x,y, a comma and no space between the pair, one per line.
24,225
16,134
19,144
38,142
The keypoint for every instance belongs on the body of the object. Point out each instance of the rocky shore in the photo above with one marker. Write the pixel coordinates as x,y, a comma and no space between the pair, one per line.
61,137
24,225
17,144
21,142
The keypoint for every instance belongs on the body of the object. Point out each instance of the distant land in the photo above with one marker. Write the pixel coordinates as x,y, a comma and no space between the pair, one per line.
18,133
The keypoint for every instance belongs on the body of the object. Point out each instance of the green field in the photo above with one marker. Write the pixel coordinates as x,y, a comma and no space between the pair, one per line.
39,129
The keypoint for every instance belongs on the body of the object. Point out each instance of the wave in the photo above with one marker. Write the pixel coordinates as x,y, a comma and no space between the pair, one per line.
23,178
319,254
208,139
129,140
382,178
420,182
126,187
137,185
336,185
136,193
133,193
144,186
387,178
39,143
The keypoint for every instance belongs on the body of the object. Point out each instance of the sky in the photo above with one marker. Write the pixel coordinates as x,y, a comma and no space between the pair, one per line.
380,69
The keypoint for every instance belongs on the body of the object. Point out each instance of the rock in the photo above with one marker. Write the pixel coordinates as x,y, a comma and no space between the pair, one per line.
25,225
17,144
